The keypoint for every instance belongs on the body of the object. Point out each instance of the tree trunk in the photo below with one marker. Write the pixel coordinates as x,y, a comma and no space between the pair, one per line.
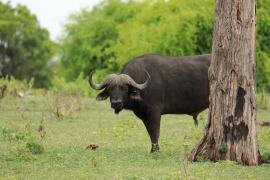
230,133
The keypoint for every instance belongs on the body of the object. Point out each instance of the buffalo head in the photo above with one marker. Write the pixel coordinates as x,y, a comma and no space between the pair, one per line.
120,88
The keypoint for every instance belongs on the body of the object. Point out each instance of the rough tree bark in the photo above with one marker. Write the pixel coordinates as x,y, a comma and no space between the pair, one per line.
230,133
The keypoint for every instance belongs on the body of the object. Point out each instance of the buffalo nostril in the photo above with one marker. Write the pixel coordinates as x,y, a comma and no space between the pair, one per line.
116,104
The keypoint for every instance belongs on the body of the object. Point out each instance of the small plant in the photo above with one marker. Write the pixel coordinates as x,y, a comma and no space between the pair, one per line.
41,129
266,158
25,143
262,99
3,89
7,134
3,86
34,148
223,148
12,87
65,105
202,159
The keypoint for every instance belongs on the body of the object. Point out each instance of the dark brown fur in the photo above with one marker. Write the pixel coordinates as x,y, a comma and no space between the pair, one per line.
178,85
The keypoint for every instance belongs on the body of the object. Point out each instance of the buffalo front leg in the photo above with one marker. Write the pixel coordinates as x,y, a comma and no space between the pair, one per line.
152,124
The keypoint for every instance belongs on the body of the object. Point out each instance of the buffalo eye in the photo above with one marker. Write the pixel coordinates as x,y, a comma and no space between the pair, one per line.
135,94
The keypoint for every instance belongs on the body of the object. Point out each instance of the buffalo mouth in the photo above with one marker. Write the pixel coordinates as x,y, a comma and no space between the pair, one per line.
116,111
117,108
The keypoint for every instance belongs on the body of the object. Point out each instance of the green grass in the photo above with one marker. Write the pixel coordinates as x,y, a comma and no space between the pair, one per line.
124,145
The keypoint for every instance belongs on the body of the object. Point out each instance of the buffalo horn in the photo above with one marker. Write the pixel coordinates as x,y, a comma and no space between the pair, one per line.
131,82
95,85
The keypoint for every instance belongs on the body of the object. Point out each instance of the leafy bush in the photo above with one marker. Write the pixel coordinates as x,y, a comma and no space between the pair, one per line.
35,148
16,87
91,36
165,27
78,86
25,47
24,143
116,31
266,158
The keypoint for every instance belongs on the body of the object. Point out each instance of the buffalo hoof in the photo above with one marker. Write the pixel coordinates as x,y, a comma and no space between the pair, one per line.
155,148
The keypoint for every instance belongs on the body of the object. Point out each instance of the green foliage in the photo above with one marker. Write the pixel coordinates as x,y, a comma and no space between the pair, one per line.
164,27
7,134
116,31
23,143
263,44
35,148
202,159
266,157
223,148
25,47
20,89
15,87
91,36
112,33
78,86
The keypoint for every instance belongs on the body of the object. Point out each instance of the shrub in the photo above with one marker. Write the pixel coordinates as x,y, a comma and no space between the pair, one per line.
24,143
266,157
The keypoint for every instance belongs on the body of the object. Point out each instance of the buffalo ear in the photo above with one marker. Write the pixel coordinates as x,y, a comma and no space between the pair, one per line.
102,96
135,94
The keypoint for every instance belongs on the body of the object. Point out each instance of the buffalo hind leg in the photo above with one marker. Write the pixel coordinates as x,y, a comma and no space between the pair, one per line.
152,124
195,116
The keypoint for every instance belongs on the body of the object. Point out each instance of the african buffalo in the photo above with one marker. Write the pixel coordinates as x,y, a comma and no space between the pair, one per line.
152,85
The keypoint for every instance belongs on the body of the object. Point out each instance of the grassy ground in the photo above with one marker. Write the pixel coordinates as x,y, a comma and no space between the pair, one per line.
124,145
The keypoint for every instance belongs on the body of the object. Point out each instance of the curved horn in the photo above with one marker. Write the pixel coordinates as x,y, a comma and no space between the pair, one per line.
131,82
93,84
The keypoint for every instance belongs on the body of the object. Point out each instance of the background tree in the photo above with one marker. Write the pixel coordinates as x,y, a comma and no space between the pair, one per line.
25,47
263,44
231,130
116,31
91,36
